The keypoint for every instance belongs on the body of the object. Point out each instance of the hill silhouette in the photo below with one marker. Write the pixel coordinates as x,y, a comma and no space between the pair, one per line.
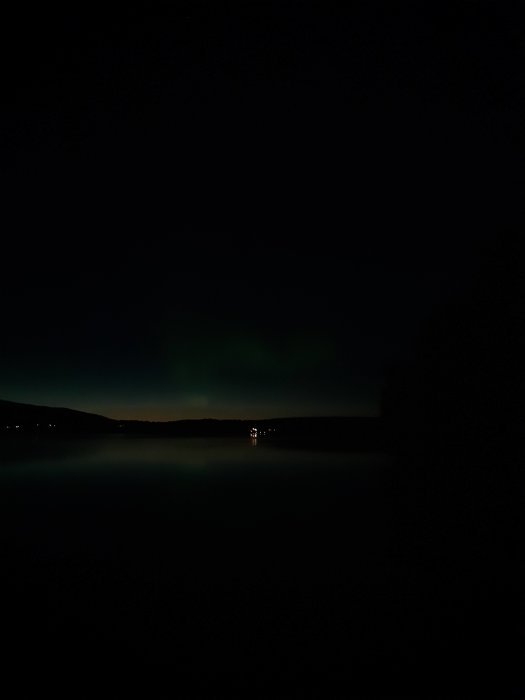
359,432
21,417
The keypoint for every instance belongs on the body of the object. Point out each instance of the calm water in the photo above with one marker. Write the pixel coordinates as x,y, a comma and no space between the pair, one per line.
220,557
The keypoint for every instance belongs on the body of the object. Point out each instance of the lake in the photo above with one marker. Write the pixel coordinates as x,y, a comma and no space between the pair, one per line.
225,558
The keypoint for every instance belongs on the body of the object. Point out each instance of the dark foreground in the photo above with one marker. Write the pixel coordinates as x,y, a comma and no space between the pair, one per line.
210,567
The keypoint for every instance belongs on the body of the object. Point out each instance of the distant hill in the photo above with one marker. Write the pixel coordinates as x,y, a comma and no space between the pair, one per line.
359,432
16,417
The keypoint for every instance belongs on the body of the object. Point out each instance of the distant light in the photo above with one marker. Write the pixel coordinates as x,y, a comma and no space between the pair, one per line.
17,426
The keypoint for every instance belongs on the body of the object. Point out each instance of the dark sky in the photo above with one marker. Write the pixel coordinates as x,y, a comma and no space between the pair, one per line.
235,211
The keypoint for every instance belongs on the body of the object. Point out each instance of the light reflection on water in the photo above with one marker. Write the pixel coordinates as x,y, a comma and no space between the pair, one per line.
93,490
159,548
118,454
168,551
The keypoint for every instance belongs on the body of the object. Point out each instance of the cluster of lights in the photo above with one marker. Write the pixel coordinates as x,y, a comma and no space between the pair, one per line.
255,432
8,427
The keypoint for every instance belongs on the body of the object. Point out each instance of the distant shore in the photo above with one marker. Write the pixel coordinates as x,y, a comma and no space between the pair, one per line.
18,420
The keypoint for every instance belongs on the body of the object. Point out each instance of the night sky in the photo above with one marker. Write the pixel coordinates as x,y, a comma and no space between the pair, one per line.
224,212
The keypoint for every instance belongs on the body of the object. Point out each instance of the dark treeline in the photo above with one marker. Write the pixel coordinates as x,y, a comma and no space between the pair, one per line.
453,413
458,391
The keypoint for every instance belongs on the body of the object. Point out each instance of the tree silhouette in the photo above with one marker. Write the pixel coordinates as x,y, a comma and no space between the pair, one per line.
458,391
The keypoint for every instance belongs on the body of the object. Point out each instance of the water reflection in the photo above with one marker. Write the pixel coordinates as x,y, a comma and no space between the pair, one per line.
175,550
125,454
158,548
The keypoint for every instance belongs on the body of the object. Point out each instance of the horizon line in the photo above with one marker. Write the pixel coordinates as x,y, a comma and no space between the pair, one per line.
175,420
